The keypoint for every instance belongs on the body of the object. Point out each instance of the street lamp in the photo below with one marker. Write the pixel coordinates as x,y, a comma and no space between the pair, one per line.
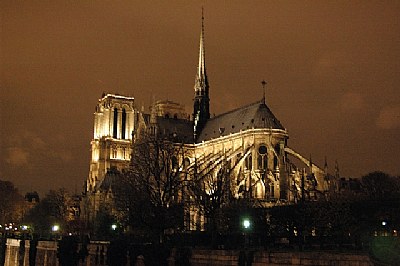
55,228
246,223
114,227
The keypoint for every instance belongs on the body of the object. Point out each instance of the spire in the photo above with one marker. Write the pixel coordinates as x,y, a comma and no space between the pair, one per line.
202,64
201,110
201,82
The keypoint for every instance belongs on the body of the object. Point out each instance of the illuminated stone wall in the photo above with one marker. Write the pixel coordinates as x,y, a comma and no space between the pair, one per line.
259,165
114,122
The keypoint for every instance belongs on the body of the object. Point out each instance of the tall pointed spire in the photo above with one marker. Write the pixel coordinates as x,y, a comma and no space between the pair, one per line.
201,112
201,69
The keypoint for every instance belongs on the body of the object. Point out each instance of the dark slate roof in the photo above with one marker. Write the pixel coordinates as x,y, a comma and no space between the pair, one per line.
179,130
255,115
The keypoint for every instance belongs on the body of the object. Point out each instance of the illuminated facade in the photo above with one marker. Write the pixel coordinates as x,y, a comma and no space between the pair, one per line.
249,140
114,122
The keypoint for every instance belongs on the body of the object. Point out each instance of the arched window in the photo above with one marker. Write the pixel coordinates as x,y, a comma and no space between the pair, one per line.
123,123
115,124
262,159
275,162
271,190
114,152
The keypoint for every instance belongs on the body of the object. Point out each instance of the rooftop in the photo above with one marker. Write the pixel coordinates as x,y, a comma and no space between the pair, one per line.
255,115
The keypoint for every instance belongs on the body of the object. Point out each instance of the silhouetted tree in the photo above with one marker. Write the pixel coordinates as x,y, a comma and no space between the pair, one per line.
378,186
103,224
11,203
54,208
211,195
209,188
150,193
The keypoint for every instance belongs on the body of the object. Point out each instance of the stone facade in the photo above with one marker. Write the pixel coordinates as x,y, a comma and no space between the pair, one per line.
114,122
249,140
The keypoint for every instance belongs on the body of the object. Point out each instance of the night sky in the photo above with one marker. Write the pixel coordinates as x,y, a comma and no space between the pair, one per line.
332,67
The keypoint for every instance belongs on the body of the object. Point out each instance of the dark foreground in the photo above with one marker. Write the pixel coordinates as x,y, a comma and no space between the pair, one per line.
70,251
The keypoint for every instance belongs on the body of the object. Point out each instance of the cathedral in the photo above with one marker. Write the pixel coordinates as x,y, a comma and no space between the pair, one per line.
263,167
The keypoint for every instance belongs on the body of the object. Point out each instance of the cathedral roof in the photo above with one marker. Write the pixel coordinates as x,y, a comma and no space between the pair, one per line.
179,130
255,115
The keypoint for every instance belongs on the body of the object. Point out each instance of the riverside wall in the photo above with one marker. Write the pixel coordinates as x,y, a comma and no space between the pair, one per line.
259,258
44,253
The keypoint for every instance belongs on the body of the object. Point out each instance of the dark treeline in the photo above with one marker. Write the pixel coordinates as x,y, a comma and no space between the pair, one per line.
365,216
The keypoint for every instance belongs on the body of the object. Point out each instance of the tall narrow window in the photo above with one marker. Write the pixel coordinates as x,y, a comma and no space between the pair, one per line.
271,190
262,159
275,162
115,125
123,124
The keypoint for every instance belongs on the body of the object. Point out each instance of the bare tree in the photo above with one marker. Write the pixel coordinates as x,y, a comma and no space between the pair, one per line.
54,208
210,188
11,203
151,193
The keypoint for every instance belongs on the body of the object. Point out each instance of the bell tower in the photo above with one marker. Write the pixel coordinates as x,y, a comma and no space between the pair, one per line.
201,105
114,121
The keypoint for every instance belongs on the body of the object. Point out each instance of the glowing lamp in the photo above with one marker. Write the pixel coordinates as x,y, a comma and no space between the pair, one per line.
55,228
246,223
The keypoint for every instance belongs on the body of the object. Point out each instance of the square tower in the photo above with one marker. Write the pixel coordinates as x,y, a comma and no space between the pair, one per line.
114,122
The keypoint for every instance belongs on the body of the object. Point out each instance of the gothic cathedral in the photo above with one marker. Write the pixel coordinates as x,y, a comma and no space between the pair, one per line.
250,138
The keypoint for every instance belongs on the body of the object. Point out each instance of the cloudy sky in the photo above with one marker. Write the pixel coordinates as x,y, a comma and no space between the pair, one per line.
332,67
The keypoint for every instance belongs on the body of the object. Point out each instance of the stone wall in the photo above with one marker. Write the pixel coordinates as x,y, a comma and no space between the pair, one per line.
12,252
17,252
20,252
259,258
97,253
46,253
